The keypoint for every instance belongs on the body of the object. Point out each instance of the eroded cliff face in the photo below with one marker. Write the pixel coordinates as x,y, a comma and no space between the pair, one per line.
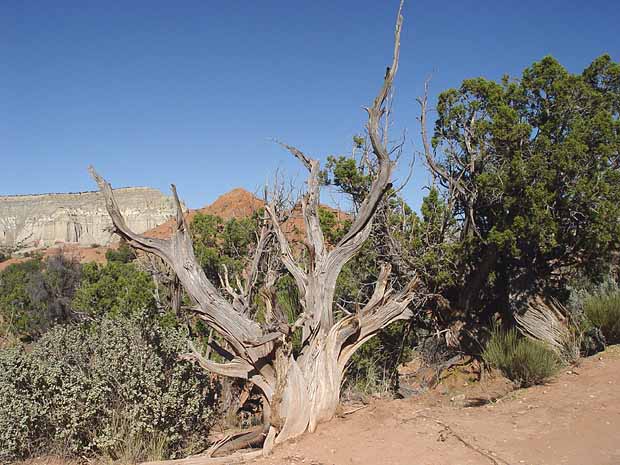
80,218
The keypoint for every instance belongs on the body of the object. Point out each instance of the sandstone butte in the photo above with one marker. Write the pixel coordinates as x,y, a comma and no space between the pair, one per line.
40,221
238,203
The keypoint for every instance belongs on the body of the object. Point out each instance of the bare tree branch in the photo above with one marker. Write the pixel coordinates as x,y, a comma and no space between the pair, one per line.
286,253
310,206
236,368
299,388
178,253
382,181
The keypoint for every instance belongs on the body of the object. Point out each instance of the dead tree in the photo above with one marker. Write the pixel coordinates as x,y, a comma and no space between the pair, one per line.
299,391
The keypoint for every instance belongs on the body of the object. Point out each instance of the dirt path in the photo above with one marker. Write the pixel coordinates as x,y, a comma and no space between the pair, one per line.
574,420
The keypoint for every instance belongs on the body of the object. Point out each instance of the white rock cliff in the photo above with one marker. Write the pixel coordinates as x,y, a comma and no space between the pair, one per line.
80,218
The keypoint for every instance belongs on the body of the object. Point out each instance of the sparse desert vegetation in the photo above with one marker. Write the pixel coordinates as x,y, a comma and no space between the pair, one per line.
227,333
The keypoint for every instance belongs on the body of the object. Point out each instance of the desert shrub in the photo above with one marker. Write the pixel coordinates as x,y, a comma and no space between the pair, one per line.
219,242
21,405
116,289
520,359
124,254
369,371
115,388
36,295
581,291
15,302
7,338
373,367
603,313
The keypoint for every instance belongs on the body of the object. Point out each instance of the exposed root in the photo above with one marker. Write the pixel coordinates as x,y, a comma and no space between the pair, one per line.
240,457
349,412
225,450
487,454
244,440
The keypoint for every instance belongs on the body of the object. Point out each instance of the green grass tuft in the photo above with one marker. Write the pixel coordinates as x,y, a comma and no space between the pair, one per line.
603,312
522,360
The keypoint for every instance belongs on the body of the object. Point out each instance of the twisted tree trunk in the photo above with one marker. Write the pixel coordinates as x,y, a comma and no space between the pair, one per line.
299,392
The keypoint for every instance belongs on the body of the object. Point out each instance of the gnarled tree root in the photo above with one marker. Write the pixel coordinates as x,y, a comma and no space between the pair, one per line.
226,450
240,457
247,439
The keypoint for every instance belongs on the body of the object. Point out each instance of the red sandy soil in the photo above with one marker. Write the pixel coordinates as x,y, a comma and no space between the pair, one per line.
81,254
12,261
574,420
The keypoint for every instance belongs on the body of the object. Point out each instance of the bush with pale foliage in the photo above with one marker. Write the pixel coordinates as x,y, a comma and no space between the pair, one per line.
114,388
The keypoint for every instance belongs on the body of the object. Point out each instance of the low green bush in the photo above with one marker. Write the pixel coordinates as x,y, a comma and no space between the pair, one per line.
114,290
114,388
36,295
520,359
123,254
603,313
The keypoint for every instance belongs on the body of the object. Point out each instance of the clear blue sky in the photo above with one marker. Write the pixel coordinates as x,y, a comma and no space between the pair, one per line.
191,92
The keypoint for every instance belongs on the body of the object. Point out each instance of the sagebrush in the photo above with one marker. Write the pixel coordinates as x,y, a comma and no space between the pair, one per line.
102,389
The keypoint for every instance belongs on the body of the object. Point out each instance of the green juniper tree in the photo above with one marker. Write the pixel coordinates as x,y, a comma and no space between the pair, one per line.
530,171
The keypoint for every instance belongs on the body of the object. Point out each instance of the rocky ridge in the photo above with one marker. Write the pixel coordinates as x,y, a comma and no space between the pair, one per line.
51,223
44,220
239,203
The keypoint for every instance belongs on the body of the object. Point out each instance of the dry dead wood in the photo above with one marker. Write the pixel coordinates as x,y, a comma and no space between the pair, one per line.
298,391
550,322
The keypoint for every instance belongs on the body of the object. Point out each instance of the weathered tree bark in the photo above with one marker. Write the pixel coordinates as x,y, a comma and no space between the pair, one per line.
299,392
